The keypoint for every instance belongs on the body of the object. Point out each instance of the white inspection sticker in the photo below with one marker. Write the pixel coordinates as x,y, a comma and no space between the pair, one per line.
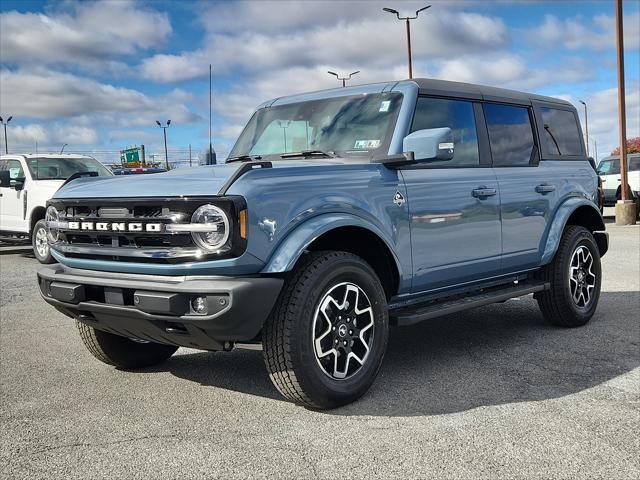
384,106
366,144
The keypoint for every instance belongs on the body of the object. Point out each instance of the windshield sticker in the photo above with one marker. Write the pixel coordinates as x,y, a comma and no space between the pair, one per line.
366,144
384,106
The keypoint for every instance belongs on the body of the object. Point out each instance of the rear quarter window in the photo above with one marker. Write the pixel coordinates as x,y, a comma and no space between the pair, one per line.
561,135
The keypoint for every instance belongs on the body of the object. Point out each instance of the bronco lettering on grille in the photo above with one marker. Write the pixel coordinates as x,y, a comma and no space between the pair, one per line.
116,226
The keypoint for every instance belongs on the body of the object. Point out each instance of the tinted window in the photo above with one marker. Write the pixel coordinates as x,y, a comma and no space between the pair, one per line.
634,164
510,134
561,135
43,168
459,117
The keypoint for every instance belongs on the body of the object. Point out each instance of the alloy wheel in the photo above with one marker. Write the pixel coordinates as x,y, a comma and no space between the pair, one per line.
582,280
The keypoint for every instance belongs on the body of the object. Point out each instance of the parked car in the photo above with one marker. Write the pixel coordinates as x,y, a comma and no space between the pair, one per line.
337,214
609,171
138,170
26,183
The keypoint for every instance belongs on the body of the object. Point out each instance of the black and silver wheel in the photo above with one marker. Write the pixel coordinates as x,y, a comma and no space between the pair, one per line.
575,277
41,243
123,352
325,339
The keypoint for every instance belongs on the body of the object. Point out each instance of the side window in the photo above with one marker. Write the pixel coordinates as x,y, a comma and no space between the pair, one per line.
561,135
15,169
510,134
605,167
615,167
459,117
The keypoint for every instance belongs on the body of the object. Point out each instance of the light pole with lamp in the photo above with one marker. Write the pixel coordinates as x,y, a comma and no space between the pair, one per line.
407,20
62,149
164,130
344,79
6,148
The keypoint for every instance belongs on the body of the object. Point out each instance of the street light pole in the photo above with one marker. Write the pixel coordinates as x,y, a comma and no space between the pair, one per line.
344,79
586,125
625,207
6,147
164,131
408,24
62,149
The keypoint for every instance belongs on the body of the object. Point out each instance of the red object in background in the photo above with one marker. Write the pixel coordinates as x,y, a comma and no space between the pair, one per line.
633,146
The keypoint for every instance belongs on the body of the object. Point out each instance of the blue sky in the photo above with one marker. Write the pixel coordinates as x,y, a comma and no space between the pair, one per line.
96,75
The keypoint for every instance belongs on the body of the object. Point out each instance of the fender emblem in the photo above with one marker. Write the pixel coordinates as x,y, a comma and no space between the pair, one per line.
398,199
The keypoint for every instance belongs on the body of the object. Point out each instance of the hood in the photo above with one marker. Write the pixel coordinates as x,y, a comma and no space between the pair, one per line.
199,181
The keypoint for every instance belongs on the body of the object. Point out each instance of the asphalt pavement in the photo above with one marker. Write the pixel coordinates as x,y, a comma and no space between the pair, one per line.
490,393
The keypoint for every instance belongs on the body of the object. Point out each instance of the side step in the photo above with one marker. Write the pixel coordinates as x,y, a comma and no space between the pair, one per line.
438,308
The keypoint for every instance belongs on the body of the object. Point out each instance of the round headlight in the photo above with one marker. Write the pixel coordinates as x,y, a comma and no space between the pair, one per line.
52,218
217,222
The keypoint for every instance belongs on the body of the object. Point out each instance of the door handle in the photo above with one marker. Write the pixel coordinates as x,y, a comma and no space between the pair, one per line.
483,192
545,188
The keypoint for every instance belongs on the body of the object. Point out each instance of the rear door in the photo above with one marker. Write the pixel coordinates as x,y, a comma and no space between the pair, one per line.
528,189
453,204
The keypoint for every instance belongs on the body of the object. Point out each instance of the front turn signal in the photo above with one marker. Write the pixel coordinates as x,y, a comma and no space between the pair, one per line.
242,220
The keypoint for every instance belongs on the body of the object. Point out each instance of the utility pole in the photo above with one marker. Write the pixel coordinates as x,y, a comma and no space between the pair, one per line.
144,161
344,79
407,22
164,130
586,125
6,147
625,207
190,155
210,97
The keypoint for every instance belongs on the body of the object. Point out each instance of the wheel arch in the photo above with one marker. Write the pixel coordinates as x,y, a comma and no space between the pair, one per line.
574,211
341,233
38,213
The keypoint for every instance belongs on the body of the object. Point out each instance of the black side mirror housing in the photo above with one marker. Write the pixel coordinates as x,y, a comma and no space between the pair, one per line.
18,183
5,179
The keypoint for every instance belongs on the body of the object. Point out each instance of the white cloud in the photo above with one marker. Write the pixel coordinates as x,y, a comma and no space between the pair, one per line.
24,137
51,95
512,71
575,33
375,41
90,34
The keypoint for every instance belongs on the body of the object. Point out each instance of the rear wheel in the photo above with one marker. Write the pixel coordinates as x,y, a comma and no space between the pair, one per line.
327,335
575,277
123,352
40,243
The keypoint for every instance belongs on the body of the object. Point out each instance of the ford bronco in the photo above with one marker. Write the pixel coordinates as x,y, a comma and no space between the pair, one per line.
337,214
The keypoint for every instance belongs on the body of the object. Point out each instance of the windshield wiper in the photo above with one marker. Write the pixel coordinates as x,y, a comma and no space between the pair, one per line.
243,158
307,154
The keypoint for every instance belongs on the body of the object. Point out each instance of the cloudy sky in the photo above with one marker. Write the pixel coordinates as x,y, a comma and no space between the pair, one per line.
96,75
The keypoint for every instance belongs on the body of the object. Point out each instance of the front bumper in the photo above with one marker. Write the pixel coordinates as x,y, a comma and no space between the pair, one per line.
160,308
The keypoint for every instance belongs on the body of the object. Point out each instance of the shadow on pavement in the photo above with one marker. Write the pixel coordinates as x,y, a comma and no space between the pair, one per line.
494,355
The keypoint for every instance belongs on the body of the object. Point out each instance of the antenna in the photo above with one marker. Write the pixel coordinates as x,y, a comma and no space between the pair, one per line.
210,146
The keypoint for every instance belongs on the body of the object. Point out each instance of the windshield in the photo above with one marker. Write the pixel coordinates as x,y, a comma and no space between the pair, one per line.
43,168
353,125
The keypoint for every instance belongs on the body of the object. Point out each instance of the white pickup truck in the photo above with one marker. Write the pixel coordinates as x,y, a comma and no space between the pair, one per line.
609,171
26,183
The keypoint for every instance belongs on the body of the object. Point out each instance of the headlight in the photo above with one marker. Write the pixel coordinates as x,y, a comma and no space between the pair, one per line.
217,225
52,218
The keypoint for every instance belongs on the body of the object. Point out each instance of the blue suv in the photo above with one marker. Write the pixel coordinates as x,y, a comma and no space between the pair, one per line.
337,214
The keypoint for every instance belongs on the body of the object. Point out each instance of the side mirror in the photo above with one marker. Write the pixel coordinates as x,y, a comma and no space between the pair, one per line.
18,183
430,144
5,178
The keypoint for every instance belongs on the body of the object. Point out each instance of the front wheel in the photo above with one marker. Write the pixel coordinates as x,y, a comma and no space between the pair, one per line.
575,275
326,337
40,243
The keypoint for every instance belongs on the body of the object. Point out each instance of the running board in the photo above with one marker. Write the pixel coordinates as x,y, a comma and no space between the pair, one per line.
409,316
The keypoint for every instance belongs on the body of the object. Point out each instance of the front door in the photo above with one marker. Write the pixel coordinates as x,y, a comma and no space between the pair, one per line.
453,204
11,200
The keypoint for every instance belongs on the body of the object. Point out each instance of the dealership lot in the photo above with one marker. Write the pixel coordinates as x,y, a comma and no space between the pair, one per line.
488,392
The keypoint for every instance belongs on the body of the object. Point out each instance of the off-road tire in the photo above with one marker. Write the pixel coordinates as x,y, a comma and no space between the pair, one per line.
557,304
39,229
288,341
122,352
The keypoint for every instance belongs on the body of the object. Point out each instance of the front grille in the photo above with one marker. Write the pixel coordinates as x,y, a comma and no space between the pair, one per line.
139,246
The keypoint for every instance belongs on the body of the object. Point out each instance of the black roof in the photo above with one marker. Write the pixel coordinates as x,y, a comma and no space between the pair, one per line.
430,86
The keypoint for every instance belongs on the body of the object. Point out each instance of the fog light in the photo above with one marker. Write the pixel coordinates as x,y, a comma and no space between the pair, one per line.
199,305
